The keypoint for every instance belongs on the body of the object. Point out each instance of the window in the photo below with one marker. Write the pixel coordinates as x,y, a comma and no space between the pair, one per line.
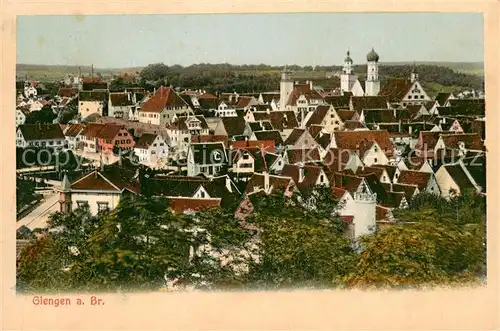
161,144
321,179
153,152
51,143
203,169
409,97
202,194
82,203
246,157
154,145
375,160
102,206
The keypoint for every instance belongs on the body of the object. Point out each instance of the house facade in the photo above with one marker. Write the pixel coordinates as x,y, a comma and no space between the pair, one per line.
152,150
206,158
40,135
163,107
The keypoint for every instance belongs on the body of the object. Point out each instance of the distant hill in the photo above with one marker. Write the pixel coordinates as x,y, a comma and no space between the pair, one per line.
476,68
57,72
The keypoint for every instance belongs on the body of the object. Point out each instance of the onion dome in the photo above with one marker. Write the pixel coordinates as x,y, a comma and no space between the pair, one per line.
372,56
348,58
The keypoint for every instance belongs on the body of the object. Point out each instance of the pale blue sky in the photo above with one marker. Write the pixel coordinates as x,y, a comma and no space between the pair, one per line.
275,39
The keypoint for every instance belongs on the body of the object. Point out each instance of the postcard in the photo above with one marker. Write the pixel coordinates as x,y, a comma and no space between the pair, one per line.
228,168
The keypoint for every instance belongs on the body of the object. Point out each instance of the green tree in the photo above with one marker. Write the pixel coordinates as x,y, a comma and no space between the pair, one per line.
43,116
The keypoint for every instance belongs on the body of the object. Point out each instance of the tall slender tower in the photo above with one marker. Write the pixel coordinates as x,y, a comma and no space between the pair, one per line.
286,87
65,195
347,78
372,84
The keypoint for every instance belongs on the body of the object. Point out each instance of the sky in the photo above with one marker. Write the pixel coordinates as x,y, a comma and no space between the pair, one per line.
119,41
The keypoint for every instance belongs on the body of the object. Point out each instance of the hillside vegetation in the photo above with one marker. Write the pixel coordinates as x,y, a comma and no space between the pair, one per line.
448,77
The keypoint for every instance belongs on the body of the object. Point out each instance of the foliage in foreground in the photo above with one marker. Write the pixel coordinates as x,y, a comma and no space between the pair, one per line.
142,245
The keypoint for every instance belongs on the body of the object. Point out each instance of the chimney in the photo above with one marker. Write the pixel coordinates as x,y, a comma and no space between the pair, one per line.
266,181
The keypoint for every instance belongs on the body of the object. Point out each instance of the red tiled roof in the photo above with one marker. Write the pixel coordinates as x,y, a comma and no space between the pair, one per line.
470,140
164,97
381,212
314,130
348,182
67,92
311,174
243,102
41,131
92,129
396,88
355,139
280,120
336,159
120,99
145,140
93,181
179,205
345,114
207,96
303,155
353,125
267,145
428,138
412,177
294,136
209,139
72,130
318,115
366,102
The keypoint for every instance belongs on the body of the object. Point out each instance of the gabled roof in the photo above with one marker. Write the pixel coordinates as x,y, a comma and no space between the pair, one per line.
470,140
114,177
428,138
354,139
305,90
345,114
391,170
314,130
267,145
208,153
181,122
234,125
164,97
336,159
109,131
260,126
442,97
408,190
145,140
180,205
408,113
67,92
269,135
294,136
101,96
363,172
174,186
41,131
412,177
381,115
243,102
303,155
311,174
396,88
120,99
280,120
92,130
318,115
348,182
353,125
276,183
459,176
209,138
368,102
72,130
338,101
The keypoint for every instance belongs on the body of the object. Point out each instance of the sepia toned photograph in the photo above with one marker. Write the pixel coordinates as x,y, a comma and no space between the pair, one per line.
249,152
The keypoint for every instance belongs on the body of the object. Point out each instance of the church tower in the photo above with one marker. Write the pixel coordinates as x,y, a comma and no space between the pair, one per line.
372,84
286,87
347,78
414,74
